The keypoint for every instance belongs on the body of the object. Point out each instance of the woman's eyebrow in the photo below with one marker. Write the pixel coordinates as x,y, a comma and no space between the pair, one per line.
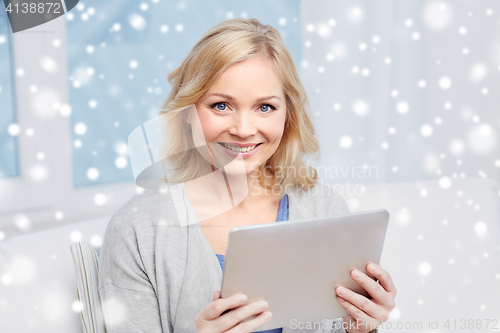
231,98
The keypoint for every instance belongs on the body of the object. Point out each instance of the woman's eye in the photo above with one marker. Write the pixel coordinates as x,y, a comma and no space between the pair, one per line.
221,106
266,108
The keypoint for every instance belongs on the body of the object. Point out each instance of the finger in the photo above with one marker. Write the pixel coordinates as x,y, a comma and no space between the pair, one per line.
358,318
216,295
236,316
361,302
361,324
383,277
216,307
375,290
251,325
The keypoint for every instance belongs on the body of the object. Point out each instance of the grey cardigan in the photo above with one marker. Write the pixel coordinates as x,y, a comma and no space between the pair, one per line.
157,269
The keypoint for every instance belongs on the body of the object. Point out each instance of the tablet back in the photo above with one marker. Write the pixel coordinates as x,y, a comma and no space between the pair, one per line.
296,265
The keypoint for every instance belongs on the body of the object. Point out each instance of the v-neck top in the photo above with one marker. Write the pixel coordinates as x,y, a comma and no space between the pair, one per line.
282,216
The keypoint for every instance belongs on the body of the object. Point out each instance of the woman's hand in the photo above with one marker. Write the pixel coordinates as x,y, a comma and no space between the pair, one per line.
367,314
213,319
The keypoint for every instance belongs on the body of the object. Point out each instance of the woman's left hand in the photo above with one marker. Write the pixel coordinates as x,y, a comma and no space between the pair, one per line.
367,314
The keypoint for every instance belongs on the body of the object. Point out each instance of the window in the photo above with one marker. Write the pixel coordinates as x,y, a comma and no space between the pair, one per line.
120,53
9,166
98,72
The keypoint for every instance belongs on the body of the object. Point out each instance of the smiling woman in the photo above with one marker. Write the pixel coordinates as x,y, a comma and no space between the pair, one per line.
246,89
240,120
235,129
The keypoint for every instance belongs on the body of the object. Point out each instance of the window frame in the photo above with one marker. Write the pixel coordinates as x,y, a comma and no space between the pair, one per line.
39,201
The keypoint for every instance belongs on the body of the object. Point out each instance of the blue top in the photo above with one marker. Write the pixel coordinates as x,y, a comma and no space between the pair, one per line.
282,216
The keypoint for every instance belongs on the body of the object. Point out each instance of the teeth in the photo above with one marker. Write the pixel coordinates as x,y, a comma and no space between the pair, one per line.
238,149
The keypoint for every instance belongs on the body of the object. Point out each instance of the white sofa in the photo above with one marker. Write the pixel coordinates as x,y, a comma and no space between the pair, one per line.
442,249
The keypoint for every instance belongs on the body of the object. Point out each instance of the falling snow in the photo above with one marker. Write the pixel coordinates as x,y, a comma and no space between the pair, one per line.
380,95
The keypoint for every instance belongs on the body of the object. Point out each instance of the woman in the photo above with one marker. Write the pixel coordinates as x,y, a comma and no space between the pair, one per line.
240,101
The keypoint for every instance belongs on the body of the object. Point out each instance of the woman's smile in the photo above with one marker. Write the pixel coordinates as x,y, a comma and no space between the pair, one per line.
234,149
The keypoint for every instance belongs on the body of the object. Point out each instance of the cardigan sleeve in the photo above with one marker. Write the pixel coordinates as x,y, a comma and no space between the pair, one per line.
128,298
338,204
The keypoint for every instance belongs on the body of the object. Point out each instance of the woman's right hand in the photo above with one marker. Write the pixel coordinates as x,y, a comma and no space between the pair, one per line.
210,319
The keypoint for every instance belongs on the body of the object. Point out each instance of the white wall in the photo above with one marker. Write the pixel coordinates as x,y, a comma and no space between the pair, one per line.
346,47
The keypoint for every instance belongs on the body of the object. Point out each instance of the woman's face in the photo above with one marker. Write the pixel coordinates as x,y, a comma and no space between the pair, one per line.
242,115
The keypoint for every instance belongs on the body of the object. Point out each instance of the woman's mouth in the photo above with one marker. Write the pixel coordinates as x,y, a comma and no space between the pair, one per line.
235,150
238,149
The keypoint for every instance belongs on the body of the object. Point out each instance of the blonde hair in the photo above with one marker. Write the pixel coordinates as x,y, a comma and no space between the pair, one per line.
225,44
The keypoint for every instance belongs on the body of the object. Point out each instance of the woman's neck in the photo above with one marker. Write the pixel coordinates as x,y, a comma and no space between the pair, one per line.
222,191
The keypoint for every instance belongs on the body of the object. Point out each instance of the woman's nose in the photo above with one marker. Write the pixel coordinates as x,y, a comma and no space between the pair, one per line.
243,125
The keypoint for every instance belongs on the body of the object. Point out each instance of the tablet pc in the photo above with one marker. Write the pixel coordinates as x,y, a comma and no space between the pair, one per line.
296,265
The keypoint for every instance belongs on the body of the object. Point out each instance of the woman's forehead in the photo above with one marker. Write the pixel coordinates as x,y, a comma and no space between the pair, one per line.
252,81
